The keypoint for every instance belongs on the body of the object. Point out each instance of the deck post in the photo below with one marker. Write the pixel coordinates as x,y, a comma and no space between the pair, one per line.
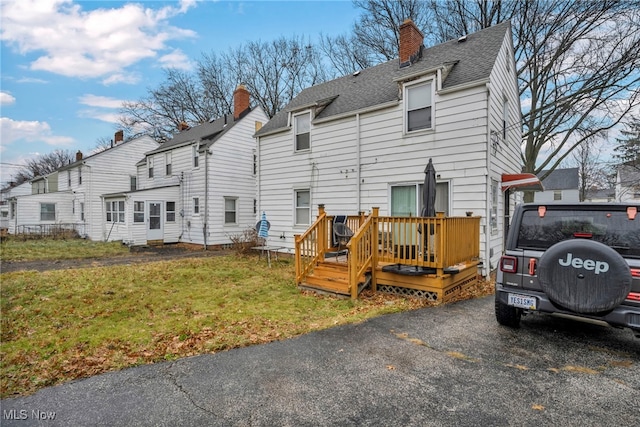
298,260
322,231
374,248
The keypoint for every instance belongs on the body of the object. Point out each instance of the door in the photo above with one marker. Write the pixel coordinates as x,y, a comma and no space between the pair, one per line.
154,221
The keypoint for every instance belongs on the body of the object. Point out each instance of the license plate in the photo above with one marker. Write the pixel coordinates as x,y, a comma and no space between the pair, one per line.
521,301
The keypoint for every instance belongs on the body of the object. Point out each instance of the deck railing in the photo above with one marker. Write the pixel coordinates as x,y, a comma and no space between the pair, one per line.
436,242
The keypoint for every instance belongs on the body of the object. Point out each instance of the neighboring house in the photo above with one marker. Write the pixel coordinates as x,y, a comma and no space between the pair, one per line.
71,197
199,187
628,183
601,195
364,140
7,202
561,185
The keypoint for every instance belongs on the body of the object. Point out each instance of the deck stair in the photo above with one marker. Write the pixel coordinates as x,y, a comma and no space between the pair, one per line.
329,276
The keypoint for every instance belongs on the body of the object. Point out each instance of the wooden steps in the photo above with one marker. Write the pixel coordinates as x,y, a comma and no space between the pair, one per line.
330,277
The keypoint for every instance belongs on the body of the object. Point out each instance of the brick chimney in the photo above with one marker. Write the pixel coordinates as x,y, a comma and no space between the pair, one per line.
240,101
78,156
411,39
118,137
183,126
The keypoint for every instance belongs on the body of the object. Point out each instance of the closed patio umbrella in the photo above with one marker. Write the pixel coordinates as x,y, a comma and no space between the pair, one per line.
429,191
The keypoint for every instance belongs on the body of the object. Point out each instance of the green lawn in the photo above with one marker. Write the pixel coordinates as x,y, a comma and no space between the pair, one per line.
67,324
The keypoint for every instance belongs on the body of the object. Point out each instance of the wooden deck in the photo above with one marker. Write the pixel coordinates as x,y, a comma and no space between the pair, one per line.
391,254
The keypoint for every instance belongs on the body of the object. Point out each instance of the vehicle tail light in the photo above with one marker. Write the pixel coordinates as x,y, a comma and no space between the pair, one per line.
635,272
508,264
580,235
634,296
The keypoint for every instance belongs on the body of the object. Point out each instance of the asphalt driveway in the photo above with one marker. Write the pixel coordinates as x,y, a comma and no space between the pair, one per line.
445,366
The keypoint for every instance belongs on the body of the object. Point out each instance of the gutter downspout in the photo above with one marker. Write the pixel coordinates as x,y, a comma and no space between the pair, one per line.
358,176
487,226
206,196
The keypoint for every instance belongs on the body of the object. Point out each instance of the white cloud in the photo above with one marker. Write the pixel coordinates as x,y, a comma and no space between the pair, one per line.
176,59
100,101
103,106
30,131
89,44
6,98
30,80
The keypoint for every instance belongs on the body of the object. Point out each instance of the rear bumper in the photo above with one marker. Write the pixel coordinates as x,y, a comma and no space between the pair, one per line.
623,315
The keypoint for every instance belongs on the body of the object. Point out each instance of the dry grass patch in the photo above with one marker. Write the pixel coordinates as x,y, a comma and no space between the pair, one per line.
68,324
14,249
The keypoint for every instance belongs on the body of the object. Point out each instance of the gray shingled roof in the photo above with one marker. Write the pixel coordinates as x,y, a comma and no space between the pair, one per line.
471,61
561,179
207,132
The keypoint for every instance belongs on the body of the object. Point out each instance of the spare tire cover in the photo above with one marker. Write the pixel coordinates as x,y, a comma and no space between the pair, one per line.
584,276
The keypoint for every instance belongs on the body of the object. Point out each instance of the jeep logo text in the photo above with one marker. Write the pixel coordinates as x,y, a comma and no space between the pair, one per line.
588,264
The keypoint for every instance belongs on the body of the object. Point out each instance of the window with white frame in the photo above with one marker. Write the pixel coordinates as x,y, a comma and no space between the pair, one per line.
138,211
407,199
495,192
14,209
73,207
557,195
419,106
150,166
230,212
133,183
81,211
302,207
69,179
196,205
302,131
47,211
167,163
196,156
171,211
80,175
115,211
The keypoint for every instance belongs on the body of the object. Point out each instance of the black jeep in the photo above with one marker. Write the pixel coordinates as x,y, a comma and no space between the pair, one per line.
581,260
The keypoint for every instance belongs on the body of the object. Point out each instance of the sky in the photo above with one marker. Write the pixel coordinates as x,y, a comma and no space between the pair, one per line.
66,66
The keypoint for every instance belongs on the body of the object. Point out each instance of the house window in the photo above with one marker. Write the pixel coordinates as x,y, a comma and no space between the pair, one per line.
80,175
302,207
138,211
150,166
494,206
196,205
171,211
81,211
73,207
505,118
255,206
255,164
47,211
302,127
419,111
230,213
69,179
407,199
557,195
14,209
167,161
133,182
196,156
115,211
